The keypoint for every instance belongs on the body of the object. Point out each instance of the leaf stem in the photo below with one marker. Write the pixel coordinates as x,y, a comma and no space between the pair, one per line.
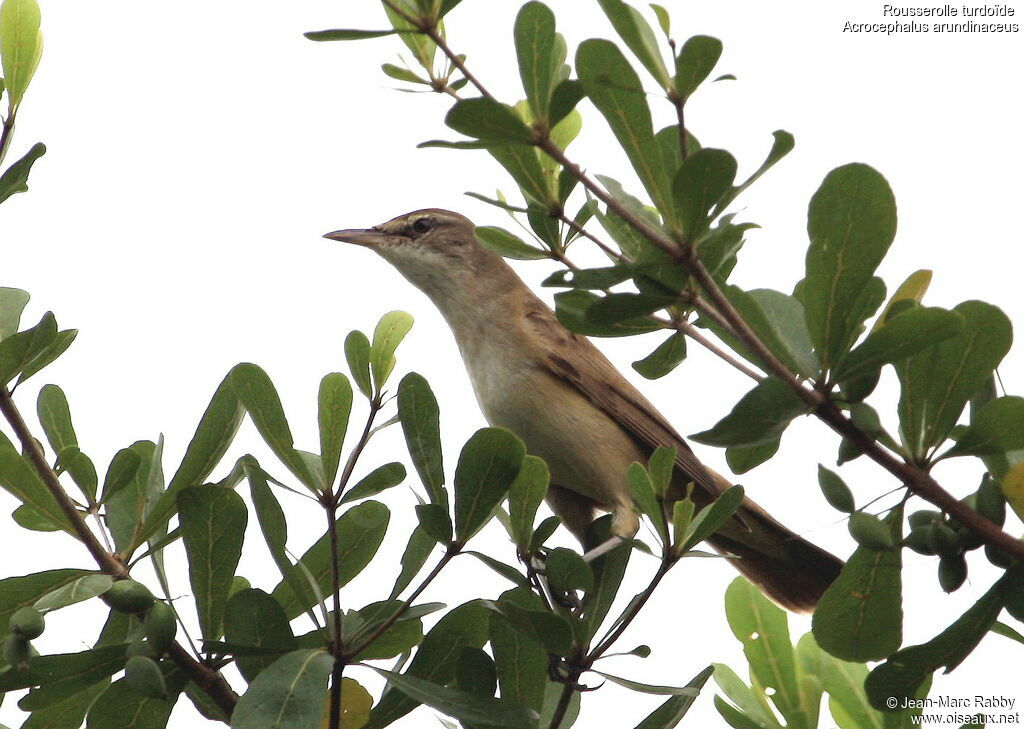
5,134
631,613
209,680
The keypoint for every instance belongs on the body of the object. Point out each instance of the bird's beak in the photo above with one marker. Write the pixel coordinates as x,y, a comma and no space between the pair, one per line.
369,237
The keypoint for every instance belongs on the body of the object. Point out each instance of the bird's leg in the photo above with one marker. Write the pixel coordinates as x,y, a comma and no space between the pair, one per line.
602,549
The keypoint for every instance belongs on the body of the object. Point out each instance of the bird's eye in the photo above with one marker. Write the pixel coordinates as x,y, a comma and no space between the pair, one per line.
422,225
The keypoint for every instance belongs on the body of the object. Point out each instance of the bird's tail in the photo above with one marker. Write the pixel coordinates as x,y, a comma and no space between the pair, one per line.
790,570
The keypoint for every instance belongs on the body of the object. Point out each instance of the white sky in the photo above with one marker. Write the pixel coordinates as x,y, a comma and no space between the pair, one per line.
198,151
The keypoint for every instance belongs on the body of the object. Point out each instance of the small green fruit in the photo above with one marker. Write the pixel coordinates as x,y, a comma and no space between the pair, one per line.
129,596
27,622
17,650
145,676
160,627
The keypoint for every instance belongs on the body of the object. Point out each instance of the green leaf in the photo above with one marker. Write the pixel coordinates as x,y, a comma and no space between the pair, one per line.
123,707
18,350
15,178
28,518
62,673
21,44
609,570
860,616
536,51
937,382
763,630
761,416
81,469
390,331
645,498
543,626
670,713
418,413
214,433
904,671
127,510
257,393
781,146
695,62
745,458
357,353
435,660
566,571
524,498
341,34
55,418
489,121
523,164
66,714
997,427
903,335
912,289
19,592
488,464
334,405
381,478
711,518
402,74
703,179
467,707
521,662
614,88
418,549
213,523
43,356
638,37
291,692
401,637
506,244
666,357
647,688
254,618
435,522
753,712
122,469
778,321
572,307
12,304
275,531
82,589
566,95
851,222
19,478
360,531
617,308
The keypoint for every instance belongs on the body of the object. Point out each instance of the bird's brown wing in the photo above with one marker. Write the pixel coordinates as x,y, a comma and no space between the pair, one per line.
575,360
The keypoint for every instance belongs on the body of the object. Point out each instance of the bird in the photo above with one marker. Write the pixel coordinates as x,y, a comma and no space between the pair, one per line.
571,407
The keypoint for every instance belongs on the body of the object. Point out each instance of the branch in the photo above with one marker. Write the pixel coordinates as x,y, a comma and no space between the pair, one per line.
628,617
206,678
330,501
917,480
390,620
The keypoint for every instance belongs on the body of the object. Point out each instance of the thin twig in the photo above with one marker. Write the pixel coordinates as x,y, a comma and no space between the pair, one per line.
568,689
351,652
207,679
630,615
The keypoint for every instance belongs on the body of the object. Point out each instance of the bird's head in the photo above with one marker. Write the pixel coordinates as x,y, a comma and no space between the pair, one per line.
436,251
